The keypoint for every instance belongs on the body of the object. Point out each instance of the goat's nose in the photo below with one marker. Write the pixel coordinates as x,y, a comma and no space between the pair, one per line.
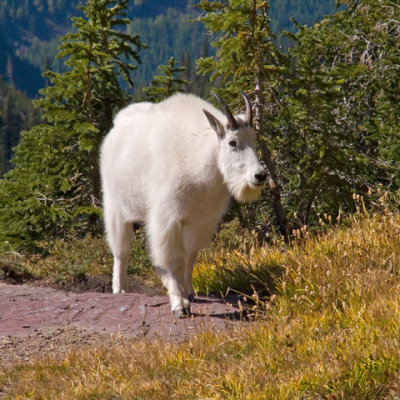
261,177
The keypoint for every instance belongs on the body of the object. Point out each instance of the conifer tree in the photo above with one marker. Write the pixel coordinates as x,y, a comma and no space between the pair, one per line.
55,184
248,60
344,106
319,160
166,85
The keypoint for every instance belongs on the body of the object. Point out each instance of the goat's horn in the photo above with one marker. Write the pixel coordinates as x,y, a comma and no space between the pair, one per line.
232,123
249,113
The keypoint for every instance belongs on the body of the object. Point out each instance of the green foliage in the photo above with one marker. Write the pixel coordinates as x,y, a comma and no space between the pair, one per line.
244,42
318,153
166,85
342,105
56,184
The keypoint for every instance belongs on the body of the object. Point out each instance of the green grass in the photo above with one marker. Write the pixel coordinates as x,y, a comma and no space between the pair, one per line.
67,261
329,330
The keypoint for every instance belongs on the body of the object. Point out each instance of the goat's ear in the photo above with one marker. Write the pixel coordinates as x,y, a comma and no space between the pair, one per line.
215,124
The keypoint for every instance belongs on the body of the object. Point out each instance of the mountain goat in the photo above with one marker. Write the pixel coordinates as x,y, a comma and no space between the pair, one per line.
173,165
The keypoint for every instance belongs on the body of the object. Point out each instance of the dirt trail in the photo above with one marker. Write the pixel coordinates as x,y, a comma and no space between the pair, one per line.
35,319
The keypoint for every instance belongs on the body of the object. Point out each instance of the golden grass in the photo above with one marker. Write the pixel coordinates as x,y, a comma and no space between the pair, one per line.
331,330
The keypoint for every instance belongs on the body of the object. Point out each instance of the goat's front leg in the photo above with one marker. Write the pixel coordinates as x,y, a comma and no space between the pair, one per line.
173,281
168,257
188,281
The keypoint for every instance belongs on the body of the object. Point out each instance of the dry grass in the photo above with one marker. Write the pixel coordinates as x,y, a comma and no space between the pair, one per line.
330,331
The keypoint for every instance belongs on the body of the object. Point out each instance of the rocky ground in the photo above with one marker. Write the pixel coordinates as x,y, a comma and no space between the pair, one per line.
36,320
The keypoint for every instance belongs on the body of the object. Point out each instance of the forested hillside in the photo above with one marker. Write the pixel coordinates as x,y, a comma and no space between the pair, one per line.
30,33
16,114
303,11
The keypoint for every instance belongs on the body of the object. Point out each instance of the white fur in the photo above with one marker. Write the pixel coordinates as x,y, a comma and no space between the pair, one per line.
164,165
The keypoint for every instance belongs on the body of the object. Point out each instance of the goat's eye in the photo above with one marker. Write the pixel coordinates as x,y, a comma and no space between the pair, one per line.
233,143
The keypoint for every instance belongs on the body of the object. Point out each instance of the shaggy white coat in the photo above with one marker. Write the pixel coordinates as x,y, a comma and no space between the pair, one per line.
173,166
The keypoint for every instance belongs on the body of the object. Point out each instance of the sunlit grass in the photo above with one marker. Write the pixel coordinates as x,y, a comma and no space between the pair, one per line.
330,330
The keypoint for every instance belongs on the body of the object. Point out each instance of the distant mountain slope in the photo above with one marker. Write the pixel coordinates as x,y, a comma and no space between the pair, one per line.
30,32
20,72
305,12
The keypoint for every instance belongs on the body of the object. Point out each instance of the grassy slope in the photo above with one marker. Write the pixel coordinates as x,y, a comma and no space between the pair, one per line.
330,331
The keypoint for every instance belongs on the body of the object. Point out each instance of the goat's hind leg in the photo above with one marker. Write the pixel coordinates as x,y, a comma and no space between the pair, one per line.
119,235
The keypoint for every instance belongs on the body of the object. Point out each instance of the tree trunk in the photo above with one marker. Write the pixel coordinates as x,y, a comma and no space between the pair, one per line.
95,180
273,180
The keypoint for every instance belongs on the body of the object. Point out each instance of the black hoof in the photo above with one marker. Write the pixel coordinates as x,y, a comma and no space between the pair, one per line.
182,313
179,314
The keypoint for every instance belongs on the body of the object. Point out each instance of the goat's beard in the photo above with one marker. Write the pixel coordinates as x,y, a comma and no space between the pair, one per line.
245,192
